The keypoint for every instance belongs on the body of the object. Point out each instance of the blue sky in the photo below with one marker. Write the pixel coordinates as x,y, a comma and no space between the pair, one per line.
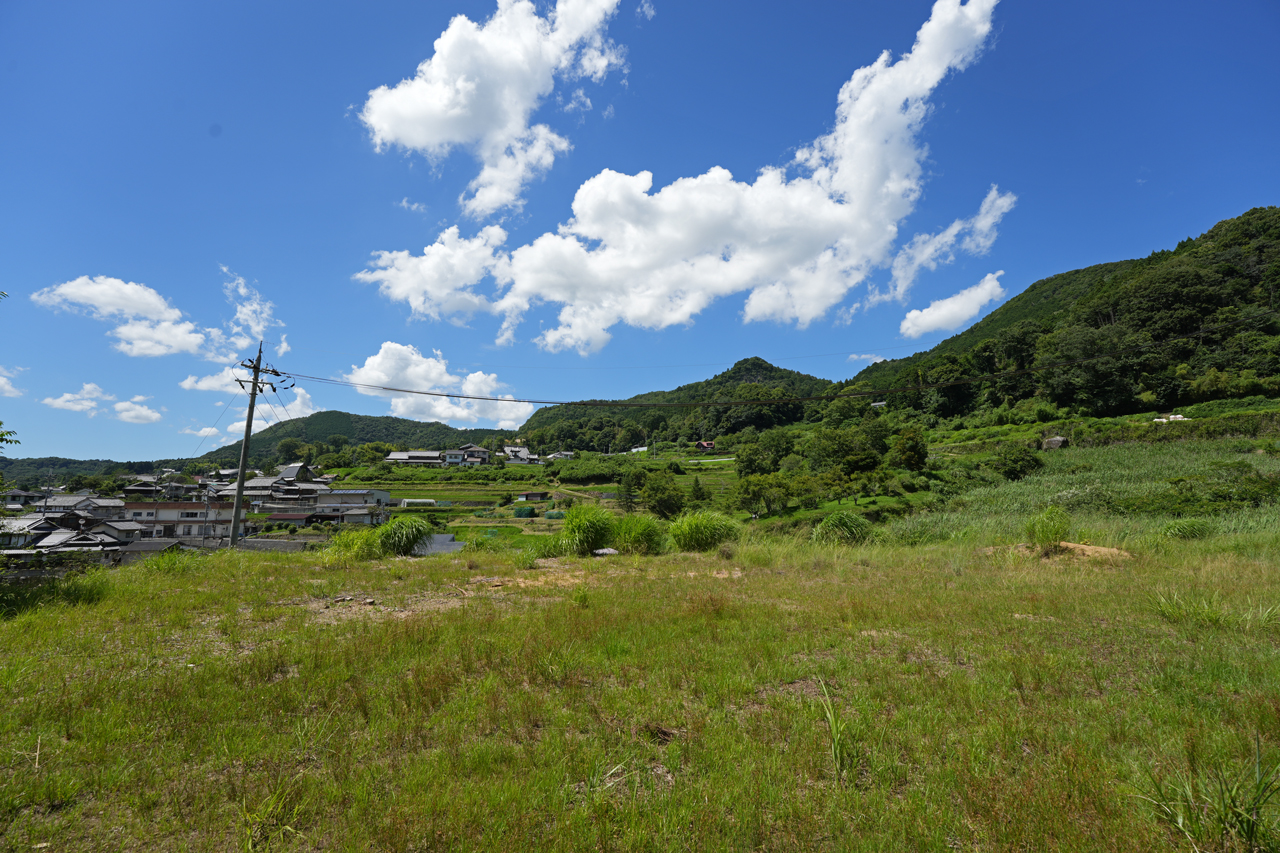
577,200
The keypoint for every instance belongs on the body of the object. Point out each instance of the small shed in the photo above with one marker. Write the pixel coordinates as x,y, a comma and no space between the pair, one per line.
532,496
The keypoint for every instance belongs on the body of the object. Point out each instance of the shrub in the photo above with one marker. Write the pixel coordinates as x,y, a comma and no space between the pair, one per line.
702,530
555,513
586,528
522,512
638,534
401,536
1048,527
1013,462
293,528
842,528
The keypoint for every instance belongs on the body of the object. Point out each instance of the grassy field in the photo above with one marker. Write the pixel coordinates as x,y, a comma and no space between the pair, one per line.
939,689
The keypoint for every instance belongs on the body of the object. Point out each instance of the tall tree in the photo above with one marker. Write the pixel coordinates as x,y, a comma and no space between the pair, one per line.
662,496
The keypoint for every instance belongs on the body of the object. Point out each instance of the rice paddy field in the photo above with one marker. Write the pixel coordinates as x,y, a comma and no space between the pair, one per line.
939,685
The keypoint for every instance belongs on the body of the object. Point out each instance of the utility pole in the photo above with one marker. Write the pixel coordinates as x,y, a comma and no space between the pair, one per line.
254,386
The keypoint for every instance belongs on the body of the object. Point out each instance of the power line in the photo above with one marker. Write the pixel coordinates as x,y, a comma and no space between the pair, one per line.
215,423
818,398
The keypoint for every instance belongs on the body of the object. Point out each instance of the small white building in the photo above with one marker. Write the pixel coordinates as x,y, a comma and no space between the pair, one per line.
170,520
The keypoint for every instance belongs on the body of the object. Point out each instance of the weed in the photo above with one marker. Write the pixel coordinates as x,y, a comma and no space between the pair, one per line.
1209,612
1188,528
481,545
586,528
1219,809
525,560
837,730
271,821
1047,528
842,528
401,536
639,534
702,530
580,597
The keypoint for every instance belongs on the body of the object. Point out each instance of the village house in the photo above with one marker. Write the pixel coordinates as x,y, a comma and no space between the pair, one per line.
90,504
13,499
429,458
467,456
170,520
339,501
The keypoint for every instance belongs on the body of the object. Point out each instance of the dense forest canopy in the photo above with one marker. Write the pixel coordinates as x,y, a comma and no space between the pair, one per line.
1219,287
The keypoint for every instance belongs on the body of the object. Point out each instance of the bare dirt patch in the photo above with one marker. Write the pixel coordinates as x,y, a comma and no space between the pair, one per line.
1069,550
721,574
334,611
557,576
801,688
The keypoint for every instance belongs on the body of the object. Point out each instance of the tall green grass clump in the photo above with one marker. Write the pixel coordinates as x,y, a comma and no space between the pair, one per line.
587,528
639,534
842,528
1188,528
350,546
401,536
1220,810
702,530
1049,527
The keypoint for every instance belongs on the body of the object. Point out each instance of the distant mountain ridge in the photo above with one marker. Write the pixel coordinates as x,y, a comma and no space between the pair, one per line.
359,429
754,371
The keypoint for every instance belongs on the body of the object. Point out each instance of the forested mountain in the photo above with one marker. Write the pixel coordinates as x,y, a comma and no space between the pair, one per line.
1219,287
616,428
359,429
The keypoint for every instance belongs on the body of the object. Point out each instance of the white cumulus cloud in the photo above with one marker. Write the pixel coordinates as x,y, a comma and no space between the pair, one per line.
874,359
224,380
441,280
954,311
268,412
133,412
7,388
402,366
85,400
795,245
148,325
481,86
645,10
203,432
927,251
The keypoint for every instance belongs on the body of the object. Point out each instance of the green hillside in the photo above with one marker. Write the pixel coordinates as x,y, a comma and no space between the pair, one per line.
615,428
1218,287
360,429
1043,301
